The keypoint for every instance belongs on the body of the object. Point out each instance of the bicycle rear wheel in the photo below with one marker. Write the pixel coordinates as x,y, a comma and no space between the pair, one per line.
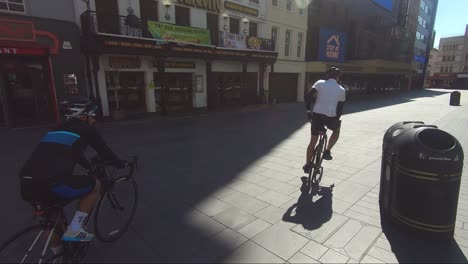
116,209
27,246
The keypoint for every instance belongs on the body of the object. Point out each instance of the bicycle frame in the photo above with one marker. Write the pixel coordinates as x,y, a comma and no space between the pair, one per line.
50,227
317,159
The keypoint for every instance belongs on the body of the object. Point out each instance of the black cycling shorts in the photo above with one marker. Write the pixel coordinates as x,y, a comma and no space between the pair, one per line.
65,189
319,122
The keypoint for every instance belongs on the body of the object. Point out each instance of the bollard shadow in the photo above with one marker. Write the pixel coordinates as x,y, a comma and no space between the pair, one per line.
412,248
312,209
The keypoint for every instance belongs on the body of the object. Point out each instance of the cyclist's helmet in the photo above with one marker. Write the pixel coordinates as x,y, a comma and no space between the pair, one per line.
333,72
74,107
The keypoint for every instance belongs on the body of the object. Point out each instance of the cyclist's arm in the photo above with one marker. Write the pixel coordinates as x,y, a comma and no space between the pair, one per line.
100,146
340,106
310,98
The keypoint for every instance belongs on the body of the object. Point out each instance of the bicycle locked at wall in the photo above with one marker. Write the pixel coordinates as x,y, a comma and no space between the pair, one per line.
112,216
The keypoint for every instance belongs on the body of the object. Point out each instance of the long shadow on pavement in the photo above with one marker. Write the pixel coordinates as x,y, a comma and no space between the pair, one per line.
309,211
410,248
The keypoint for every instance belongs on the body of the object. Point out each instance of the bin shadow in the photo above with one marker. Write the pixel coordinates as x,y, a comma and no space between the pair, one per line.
310,211
411,248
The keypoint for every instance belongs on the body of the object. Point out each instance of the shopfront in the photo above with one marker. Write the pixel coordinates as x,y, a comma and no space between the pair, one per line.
35,69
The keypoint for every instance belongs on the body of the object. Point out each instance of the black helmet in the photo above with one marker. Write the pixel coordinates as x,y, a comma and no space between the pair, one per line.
73,107
333,72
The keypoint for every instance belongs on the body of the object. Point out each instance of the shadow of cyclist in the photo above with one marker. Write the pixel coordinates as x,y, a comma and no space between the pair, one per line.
311,211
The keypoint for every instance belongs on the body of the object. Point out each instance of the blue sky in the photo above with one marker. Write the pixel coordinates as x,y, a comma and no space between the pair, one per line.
451,20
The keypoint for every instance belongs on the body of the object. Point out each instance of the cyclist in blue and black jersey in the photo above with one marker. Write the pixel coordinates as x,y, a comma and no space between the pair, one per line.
48,174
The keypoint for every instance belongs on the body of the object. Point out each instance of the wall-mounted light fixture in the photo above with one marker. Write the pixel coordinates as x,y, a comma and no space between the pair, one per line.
167,4
246,22
225,17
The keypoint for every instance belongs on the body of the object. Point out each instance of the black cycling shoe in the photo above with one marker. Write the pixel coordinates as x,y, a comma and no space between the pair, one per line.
306,168
327,155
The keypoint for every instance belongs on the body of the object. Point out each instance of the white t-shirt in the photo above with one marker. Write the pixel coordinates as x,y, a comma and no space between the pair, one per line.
329,93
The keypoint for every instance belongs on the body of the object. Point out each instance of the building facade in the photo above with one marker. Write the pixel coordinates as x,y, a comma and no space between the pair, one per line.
286,25
448,62
40,60
372,41
180,55
425,12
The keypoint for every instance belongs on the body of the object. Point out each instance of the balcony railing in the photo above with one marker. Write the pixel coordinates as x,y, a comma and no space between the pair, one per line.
93,22
237,41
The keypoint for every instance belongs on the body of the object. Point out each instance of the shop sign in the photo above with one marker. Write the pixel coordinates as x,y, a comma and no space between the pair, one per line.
128,44
12,50
211,5
17,30
124,62
170,32
240,8
332,45
176,64
233,41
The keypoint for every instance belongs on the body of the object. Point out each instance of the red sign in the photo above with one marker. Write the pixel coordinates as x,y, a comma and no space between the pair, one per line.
20,50
17,30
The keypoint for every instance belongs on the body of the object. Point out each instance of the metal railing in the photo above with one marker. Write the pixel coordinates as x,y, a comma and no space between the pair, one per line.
92,22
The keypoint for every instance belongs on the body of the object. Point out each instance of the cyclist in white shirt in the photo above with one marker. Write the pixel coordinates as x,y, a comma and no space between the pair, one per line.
327,98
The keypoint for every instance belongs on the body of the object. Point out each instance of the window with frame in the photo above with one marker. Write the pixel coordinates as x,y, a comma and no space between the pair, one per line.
253,29
444,58
451,68
234,25
289,5
274,2
287,43
274,38
182,16
299,44
12,6
441,68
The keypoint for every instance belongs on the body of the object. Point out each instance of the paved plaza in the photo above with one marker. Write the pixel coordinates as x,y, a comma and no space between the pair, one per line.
225,186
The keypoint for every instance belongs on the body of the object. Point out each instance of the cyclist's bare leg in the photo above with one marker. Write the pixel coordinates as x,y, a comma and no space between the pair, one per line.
311,148
87,203
333,139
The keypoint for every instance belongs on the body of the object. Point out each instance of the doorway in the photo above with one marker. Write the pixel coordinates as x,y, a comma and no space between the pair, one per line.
173,92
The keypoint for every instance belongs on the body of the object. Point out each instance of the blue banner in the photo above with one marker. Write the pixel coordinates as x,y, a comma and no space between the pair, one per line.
387,4
332,46
419,59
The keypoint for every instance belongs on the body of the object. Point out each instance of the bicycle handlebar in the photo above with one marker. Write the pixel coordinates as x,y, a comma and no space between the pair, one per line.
98,163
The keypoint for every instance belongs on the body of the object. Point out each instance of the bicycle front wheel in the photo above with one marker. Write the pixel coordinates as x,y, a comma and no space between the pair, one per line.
28,246
116,209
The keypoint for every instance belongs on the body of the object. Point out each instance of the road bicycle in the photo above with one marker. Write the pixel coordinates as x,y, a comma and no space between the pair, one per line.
113,214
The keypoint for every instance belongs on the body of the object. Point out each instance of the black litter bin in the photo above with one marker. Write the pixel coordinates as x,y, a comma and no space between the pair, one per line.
387,149
455,98
423,181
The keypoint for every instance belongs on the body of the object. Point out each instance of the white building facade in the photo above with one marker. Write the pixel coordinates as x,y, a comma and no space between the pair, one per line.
171,56
286,25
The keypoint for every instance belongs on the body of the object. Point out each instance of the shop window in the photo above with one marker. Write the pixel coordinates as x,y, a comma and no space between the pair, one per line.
12,5
71,85
182,15
126,90
274,2
253,29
